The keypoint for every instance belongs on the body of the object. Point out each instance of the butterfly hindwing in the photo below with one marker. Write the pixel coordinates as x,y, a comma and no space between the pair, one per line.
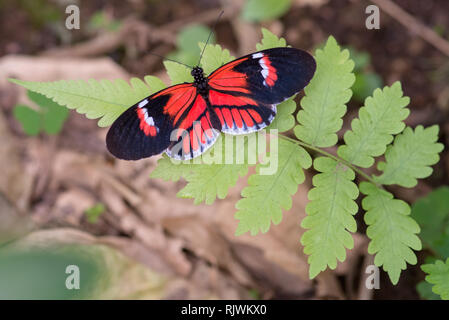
195,131
240,114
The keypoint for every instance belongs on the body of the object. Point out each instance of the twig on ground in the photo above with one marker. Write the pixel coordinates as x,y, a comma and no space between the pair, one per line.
414,25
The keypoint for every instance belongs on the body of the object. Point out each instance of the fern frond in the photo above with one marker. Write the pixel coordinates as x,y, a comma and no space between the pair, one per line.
169,169
96,99
270,40
325,97
391,229
214,57
410,157
329,215
438,275
206,182
266,195
177,72
380,118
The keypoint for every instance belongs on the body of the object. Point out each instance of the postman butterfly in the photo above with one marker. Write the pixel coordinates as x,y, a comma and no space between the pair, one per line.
186,119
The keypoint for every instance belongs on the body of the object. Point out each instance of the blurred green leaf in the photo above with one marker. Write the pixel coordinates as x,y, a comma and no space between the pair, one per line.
187,41
365,81
432,214
260,10
30,119
53,115
365,84
93,213
425,291
50,116
41,12
101,21
362,59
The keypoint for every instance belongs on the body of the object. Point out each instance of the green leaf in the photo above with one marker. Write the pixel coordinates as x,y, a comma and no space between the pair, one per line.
329,215
260,10
438,275
432,214
410,157
380,118
170,170
391,230
267,194
209,176
30,119
155,84
214,57
326,95
177,72
210,181
270,40
103,99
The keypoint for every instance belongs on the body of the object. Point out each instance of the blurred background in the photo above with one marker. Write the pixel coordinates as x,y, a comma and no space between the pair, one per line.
64,200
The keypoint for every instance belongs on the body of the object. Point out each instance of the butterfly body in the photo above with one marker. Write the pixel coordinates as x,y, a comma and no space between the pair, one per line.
185,120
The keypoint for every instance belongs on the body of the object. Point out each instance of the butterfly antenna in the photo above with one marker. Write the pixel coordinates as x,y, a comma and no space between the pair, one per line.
157,55
210,33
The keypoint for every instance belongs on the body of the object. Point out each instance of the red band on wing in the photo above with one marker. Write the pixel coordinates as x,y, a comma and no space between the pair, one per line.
180,99
237,119
246,118
222,99
256,116
225,78
145,123
198,108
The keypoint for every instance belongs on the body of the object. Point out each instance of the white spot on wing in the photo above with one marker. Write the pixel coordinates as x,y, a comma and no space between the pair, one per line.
149,120
143,103
257,55
264,73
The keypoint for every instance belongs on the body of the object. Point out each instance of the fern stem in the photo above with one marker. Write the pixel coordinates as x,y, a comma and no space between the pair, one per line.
330,155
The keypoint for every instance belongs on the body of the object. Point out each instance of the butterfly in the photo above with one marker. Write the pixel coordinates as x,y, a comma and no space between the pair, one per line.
186,119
